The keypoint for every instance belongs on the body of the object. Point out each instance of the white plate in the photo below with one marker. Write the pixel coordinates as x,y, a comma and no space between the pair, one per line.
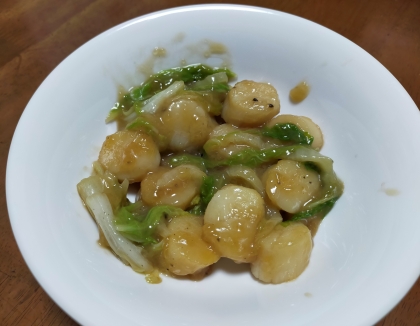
366,252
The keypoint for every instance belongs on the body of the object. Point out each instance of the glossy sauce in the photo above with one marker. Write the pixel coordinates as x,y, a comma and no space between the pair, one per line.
215,48
148,66
299,92
154,277
312,224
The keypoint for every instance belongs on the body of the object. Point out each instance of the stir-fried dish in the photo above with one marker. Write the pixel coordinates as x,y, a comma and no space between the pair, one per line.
220,173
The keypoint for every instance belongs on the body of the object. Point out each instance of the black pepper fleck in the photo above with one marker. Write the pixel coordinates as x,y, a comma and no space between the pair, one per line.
255,99
271,105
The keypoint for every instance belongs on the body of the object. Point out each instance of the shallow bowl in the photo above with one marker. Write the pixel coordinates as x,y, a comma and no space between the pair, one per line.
365,255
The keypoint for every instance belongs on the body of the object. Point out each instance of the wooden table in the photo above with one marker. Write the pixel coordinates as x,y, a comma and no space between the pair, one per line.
36,35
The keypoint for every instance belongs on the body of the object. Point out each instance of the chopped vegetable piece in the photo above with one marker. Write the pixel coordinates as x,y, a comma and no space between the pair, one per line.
217,82
319,208
142,228
288,132
165,78
177,160
207,191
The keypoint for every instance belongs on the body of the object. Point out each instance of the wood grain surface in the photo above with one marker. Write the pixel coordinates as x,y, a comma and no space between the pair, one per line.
36,35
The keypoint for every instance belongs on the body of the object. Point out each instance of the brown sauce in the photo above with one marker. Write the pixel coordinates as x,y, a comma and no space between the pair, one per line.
392,192
312,224
215,48
153,277
207,49
178,38
147,67
159,52
299,92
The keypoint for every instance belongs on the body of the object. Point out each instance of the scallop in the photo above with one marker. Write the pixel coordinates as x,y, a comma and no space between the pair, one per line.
129,155
290,185
283,254
176,187
222,130
303,123
221,147
187,124
250,104
184,251
231,220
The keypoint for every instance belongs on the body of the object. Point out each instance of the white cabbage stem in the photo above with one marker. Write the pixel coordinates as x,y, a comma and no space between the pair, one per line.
154,104
129,253
248,175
